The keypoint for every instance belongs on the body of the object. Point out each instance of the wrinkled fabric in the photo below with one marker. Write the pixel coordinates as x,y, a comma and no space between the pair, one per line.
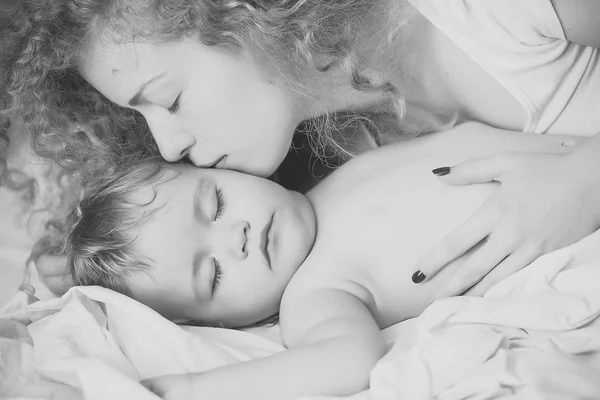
535,335
97,344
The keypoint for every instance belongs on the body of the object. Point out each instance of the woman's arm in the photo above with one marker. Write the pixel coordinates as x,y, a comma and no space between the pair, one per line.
580,20
335,344
532,214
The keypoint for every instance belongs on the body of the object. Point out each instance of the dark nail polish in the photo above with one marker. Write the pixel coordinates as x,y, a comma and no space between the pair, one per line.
418,277
441,171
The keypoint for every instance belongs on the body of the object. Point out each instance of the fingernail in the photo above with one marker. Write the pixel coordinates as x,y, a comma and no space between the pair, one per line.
418,277
441,171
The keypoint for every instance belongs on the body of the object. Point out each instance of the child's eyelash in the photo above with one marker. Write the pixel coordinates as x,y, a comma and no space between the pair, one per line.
218,274
175,106
220,204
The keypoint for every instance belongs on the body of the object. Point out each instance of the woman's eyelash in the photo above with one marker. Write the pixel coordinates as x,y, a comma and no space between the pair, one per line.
220,204
175,106
218,274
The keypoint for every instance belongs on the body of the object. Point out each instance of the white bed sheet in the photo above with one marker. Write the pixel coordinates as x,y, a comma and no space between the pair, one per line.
535,335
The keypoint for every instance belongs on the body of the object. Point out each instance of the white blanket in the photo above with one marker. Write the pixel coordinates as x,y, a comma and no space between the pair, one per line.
102,343
535,335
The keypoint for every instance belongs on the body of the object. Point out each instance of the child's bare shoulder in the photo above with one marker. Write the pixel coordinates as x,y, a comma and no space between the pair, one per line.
320,285
315,302
325,274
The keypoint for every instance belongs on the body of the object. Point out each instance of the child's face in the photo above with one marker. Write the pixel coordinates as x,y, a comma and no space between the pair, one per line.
199,101
223,245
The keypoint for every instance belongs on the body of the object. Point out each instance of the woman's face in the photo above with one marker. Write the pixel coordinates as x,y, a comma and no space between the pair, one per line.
200,102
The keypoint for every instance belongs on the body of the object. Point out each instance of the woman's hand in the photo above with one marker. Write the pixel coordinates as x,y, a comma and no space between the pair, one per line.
53,273
545,202
172,387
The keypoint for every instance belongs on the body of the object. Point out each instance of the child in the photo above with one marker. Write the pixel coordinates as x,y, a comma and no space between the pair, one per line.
226,83
229,249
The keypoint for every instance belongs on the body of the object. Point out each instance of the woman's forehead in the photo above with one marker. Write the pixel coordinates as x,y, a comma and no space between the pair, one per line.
113,57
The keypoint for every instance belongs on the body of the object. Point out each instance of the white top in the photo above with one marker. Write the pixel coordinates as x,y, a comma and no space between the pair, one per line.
522,45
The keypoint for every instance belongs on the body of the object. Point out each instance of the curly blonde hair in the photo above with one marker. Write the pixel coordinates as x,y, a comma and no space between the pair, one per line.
67,120
43,41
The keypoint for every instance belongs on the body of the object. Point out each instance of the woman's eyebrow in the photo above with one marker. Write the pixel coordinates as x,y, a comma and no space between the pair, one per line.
138,96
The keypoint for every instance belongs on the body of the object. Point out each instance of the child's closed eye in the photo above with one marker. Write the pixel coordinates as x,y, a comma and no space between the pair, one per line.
219,203
217,276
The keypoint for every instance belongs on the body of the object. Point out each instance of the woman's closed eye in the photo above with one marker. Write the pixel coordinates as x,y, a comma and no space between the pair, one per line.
176,104
219,203
217,276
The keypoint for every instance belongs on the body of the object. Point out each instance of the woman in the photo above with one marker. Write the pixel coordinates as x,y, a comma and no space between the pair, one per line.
226,83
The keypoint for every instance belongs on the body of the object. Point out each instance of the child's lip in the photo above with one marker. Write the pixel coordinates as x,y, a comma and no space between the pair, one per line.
266,239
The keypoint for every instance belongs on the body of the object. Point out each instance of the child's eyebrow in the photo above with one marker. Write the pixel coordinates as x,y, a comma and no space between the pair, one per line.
200,187
138,96
197,263
199,255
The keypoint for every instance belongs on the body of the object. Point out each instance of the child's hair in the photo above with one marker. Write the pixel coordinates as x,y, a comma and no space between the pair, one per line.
99,238
44,40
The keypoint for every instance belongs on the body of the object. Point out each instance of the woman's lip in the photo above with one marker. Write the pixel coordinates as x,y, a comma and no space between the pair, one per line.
266,241
218,163
221,162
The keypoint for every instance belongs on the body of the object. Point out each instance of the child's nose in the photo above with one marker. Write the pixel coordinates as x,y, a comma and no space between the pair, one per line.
240,240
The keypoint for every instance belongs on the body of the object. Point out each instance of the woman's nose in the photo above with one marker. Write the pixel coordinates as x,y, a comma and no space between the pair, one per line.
173,143
175,146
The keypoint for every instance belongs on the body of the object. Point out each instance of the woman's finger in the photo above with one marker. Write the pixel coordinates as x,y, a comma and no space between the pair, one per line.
48,264
479,170
478,265
54,273
467,235
513,263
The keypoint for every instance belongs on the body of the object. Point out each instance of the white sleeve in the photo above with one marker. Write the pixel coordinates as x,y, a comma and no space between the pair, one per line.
530,22
536,15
